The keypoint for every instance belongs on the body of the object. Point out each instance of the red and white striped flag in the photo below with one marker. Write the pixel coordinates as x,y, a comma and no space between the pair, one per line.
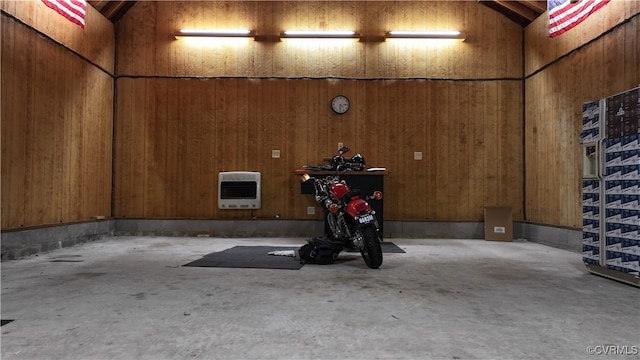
565,14
73,10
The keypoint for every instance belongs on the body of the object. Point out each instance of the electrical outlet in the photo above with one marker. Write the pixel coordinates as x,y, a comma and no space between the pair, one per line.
340,145
311,210
275,154
417,155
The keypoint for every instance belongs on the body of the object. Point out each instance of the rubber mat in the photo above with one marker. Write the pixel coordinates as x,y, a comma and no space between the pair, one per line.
389,247
256,257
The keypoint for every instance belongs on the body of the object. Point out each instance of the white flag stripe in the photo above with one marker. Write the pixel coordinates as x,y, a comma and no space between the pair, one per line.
73,10
574,12
565,14
65,7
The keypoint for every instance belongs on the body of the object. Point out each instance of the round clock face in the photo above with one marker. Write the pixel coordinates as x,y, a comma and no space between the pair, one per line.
340,104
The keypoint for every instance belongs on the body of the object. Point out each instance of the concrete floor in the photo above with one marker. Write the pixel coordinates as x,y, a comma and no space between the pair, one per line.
130,298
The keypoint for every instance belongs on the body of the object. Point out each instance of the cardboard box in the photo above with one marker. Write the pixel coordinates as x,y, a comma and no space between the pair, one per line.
498,223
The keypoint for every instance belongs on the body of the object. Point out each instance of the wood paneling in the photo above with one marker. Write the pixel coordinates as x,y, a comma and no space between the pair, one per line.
173,136
554,98
184,113
95,42
541,50
146,44
227,107
57,111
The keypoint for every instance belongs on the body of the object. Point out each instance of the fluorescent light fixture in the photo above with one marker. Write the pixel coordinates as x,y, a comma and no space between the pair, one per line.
320,34
214,33
425,34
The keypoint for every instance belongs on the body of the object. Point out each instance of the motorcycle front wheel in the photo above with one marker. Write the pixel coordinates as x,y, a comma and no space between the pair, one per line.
372,250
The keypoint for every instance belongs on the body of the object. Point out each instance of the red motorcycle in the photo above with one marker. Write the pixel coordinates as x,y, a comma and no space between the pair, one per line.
349,217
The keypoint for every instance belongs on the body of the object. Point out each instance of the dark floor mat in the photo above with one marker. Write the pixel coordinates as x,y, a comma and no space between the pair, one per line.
249,257
389,247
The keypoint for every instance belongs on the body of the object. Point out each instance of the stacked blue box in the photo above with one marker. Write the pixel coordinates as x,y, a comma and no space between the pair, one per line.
622,204
591,221
590,122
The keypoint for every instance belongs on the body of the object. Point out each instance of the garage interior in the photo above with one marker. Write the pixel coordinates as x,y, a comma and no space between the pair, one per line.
113,136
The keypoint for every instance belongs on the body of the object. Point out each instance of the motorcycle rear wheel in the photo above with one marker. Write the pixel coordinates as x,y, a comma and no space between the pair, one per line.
372,250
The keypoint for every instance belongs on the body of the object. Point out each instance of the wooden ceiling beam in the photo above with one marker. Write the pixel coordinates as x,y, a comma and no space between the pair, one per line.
522,12
98,5
513,16
112,10
538,6
519,8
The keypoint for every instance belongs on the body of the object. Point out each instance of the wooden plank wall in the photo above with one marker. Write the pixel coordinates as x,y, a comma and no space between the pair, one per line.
556,87
186,112
57,117
95,42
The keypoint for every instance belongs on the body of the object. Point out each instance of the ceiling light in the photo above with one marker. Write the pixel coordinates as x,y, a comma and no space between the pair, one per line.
319,34
425,34
214,33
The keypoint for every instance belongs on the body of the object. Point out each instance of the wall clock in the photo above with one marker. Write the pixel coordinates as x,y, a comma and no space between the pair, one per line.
340,104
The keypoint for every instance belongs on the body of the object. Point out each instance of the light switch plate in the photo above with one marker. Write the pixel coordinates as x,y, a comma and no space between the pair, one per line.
417,155
275,154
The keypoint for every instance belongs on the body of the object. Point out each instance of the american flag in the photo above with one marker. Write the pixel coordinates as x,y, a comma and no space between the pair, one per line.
73,10
565,14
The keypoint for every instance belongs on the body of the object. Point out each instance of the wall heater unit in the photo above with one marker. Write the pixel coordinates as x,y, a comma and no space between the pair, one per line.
239,190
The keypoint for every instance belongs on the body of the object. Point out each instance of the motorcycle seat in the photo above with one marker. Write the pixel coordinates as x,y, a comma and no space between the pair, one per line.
351,193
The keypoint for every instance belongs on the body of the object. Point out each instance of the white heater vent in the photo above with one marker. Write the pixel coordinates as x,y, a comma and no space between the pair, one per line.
239,190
